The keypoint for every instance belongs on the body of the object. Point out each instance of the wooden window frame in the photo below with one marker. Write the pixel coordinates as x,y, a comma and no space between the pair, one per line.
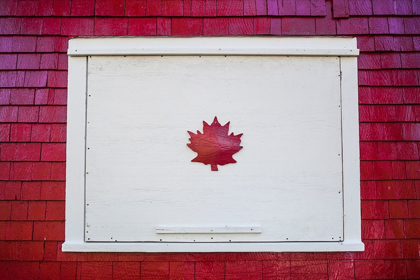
81,48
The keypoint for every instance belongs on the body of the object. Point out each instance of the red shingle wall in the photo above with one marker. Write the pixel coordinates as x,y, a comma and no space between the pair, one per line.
33,81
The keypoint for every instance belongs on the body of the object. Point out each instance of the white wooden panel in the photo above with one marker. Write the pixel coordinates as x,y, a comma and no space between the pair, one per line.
288,178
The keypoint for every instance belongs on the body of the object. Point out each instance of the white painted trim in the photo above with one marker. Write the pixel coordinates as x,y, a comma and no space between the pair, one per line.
214,247
314,46
351,157
76,133
208,229
76,139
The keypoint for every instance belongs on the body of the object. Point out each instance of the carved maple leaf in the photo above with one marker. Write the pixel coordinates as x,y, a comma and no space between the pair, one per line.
215,146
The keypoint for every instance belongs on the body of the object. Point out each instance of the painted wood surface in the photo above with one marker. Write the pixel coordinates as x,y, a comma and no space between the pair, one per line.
75,192
351,150
162,229
139,173
300,46
34,36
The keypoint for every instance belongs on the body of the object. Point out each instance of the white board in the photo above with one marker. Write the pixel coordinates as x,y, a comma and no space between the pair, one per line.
287,181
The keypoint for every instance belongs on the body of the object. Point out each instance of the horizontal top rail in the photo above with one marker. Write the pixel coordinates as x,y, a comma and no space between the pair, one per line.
296,46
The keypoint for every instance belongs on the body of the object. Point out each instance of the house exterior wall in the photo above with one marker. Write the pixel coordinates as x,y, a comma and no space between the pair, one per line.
33,94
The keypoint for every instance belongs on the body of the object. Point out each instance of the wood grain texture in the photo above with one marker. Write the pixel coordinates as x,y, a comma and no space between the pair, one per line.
341,8
139,171
43,31
263,46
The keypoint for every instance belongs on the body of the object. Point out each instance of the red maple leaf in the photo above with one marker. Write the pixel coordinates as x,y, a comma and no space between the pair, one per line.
215,146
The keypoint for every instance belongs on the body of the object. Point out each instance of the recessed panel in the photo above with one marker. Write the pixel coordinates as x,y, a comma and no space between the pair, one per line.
286,184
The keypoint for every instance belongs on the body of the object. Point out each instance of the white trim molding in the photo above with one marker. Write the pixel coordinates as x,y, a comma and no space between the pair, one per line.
151,247
315,46
81,48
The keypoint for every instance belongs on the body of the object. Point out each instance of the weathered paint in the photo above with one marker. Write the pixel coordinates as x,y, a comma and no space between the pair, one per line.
214,145
31,247
119,149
